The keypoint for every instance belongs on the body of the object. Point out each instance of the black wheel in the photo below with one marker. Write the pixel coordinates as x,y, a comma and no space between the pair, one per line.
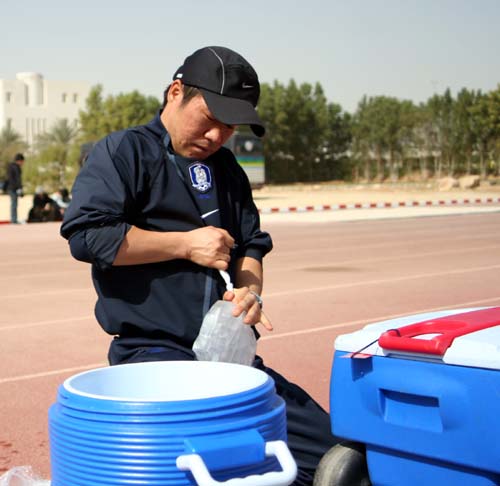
343,465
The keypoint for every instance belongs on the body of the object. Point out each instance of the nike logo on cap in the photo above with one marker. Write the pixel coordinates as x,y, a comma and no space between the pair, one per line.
246,86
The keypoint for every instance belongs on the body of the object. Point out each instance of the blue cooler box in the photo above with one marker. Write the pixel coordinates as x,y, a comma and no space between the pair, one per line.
423,393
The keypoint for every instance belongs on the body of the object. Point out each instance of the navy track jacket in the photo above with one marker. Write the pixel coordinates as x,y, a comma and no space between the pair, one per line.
128,180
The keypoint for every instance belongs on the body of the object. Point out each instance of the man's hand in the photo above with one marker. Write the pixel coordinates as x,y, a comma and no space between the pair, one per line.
245,301
210,247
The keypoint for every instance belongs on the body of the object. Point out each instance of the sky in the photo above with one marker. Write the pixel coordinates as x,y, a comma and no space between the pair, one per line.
400,48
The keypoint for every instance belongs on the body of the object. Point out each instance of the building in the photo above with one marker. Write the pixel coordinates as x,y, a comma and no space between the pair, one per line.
30,105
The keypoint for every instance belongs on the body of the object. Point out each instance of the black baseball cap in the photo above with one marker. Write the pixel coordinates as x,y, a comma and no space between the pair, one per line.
228,83
18,157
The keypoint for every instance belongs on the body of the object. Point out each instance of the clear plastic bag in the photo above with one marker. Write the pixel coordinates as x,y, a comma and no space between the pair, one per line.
22,476
224,337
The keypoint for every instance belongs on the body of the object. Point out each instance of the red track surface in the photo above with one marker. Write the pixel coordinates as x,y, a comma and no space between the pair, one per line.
322,279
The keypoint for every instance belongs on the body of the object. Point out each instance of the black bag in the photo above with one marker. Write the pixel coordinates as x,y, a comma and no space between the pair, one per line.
5,185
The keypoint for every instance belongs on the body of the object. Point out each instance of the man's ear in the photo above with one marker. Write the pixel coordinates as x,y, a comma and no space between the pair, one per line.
176,91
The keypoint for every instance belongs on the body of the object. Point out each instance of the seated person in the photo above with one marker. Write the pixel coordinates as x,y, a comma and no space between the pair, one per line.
61,198
44,208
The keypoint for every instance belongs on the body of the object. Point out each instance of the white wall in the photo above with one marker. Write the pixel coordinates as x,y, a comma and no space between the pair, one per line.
32,104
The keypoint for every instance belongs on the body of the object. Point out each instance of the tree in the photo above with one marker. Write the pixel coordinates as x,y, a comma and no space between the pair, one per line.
361,140
391,128
92,123
383,131
463,130
300,142
272,111
56,144
409,117
11,142
103,116
61,133
483,129
441,110
374,124
337,142
308,118
425,138
492,102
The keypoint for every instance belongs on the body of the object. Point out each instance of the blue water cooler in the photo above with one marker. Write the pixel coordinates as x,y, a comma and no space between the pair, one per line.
178,423
423,394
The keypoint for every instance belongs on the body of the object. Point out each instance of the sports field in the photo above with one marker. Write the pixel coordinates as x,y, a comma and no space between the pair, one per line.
330,272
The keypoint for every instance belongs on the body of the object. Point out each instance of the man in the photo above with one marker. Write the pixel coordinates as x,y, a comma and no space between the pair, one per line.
15,185
159,209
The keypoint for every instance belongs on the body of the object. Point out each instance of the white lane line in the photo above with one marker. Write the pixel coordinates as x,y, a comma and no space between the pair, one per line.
43,374
375,319
292,253
266,338
381,281
45,274
287,292
411,256
45,323
48,292
22,260
298,291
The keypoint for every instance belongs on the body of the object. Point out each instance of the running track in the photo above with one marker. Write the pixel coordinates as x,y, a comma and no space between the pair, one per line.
322,279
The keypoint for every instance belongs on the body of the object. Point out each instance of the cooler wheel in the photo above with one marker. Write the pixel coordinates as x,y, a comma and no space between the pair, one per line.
343,465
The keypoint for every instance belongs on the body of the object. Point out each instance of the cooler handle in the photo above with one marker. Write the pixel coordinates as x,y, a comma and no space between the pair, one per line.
402,340
277,448
447,329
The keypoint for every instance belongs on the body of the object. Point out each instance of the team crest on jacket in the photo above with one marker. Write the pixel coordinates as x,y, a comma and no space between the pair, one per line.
201,178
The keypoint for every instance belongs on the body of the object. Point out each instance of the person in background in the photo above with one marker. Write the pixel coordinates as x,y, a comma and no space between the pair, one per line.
44,209
15,185
62,198
160,209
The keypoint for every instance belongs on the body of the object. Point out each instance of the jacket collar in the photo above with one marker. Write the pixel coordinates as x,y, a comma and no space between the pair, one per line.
156,126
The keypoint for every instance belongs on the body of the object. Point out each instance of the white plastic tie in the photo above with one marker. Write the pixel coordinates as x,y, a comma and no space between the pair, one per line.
227,280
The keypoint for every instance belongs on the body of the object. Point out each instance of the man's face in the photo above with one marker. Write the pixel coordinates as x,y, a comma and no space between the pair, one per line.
193,130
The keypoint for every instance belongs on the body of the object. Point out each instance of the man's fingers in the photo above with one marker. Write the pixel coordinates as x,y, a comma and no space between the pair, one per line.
208,245
228,239
228,295
245,301
220,264
265,321
255,316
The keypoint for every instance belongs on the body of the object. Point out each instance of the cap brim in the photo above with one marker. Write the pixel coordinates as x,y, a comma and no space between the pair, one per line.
233,111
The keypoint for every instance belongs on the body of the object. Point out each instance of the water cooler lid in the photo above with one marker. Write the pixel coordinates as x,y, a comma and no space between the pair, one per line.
471,345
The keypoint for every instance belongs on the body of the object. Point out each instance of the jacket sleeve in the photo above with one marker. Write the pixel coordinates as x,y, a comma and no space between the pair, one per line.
253,242
256,243
95,222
